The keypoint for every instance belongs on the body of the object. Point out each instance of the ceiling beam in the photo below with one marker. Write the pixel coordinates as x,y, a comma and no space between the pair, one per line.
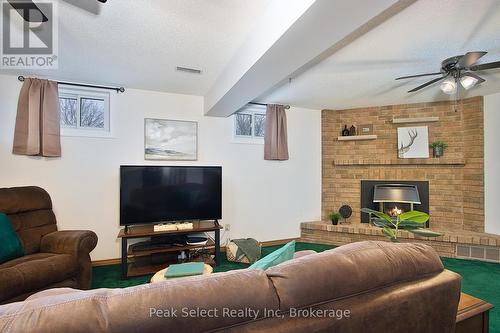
305,36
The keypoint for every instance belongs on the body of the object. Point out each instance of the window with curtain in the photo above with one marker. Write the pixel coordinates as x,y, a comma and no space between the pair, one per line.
249,125
84,112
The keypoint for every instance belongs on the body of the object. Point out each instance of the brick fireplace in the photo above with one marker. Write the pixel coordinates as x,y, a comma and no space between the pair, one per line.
455,181
456,185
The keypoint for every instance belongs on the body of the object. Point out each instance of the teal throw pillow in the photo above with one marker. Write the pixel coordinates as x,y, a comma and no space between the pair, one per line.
10,245
275,258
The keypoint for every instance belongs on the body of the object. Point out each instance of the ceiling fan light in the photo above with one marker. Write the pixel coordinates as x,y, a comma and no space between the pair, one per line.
449,86
468,82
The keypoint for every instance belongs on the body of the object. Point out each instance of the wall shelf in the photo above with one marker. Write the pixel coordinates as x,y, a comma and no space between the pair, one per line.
415,120
357,137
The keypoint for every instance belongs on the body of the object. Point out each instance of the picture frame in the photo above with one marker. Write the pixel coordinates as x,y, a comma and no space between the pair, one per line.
366,129
170,140
413,142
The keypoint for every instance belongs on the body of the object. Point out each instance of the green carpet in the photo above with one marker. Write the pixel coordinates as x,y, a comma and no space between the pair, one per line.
480,279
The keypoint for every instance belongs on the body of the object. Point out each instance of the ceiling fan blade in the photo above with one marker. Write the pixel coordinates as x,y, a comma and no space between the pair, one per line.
478,78
418,75
489,65
426,84
470,58
24,8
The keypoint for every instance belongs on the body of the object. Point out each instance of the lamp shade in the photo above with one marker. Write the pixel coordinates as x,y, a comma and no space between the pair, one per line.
449,86
468,81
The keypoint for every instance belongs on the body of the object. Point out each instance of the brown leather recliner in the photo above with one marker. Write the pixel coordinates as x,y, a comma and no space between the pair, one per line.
51,258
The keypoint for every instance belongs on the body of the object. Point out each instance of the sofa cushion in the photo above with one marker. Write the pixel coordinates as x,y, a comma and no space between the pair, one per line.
351,269
24,199
33,272
29,209
10,246
277,257
147,308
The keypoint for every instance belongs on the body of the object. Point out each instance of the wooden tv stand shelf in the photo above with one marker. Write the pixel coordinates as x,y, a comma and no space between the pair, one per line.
130,260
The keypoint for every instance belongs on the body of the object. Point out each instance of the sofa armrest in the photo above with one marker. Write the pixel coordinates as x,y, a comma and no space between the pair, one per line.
75,242
78,243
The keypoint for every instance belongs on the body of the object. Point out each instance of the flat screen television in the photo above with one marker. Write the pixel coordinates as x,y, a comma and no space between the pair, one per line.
154,194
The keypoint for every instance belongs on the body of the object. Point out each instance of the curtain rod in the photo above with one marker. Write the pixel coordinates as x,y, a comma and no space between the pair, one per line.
262,104
118,89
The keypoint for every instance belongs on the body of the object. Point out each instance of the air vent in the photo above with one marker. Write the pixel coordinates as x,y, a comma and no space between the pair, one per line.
493,254
478,252
188,70
463,251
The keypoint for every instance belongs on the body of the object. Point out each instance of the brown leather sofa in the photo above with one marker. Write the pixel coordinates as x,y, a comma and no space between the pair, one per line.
361,287
51,258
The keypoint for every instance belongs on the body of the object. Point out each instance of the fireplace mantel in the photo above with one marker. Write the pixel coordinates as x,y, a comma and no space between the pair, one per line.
399,162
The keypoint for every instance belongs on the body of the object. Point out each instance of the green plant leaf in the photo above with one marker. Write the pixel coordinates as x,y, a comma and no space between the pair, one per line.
389,232
414,216
408,225
378,222
439,144
334,216
425,233
377,213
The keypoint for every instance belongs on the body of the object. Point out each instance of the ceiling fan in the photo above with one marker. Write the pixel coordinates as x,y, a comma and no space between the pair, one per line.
457,69
30,11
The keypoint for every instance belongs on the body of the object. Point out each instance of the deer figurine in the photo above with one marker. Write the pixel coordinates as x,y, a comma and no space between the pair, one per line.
404,149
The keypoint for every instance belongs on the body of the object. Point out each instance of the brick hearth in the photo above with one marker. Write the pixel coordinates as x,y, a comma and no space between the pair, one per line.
445,245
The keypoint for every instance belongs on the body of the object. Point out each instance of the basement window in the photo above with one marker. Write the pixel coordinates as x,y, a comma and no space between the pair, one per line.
249,126
84,112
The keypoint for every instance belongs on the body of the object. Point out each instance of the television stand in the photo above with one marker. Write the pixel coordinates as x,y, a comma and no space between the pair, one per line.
138,263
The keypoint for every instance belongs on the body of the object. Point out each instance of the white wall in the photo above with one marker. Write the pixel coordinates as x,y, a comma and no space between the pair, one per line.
265,200
492,162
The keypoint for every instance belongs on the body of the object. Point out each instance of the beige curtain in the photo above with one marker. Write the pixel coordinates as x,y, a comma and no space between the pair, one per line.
37,130
275,139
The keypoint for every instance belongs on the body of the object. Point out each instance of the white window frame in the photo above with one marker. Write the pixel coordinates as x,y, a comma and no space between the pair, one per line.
78,94
248,139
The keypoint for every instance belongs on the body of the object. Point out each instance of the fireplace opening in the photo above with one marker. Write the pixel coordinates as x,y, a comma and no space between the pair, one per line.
394,209
394,197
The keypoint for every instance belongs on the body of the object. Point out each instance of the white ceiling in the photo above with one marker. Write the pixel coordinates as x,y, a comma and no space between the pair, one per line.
412,42
138,44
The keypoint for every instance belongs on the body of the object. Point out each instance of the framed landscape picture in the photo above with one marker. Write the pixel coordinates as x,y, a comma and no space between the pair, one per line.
173,140
413,142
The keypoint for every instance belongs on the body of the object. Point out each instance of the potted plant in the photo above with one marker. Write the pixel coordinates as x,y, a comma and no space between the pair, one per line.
335,217
438,148
412,221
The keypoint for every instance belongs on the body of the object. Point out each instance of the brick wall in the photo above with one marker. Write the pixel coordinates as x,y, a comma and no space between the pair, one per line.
456,181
